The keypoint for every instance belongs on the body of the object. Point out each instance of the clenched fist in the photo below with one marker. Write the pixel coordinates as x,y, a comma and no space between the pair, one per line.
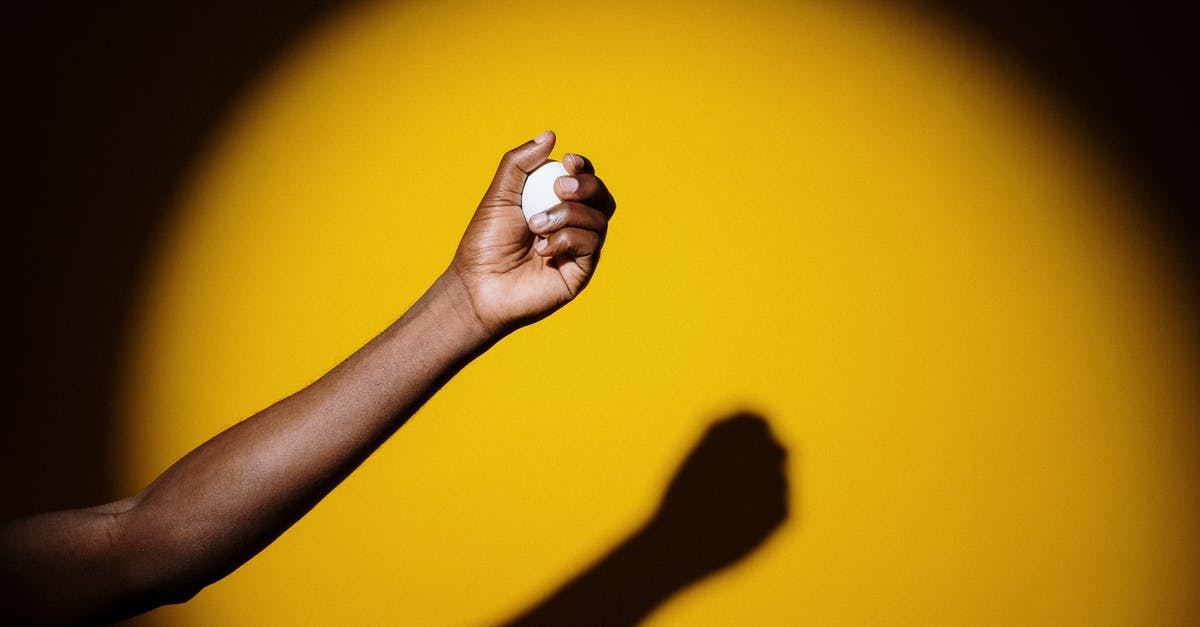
516,272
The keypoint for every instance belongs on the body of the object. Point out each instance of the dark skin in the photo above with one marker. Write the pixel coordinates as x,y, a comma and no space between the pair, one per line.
228,499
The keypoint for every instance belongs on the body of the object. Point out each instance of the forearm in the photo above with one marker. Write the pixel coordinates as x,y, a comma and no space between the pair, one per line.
229,498
235,494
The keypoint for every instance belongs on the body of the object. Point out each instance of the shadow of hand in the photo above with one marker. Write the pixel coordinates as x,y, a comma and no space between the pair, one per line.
727,497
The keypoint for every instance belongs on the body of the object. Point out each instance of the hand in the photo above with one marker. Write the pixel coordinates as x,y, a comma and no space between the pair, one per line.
516,273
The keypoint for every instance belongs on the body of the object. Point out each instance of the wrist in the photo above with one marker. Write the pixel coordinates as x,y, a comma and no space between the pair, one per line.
454,300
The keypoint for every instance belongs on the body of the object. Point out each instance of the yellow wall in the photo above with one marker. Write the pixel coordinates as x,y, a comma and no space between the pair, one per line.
851,218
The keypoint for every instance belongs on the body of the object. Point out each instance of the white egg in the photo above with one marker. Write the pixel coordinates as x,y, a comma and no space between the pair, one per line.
538,194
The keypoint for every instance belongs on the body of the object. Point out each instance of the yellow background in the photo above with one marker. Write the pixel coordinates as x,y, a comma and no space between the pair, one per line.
855,219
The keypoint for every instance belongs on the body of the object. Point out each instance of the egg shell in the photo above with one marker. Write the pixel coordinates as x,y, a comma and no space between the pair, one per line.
538,194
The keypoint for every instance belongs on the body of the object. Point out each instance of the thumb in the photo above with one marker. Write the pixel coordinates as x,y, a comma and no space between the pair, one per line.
516,165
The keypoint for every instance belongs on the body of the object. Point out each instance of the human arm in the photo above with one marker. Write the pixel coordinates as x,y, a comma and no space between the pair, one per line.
225,501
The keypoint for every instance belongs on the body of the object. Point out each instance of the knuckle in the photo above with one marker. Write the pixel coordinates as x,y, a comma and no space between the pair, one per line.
585,243
569,212
563,242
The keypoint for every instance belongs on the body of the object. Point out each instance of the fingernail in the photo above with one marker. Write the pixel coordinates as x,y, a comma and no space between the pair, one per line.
541,139
541,244
568,184
539,220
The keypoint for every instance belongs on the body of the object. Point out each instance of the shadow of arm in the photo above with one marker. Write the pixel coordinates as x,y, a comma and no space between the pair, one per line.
729,495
